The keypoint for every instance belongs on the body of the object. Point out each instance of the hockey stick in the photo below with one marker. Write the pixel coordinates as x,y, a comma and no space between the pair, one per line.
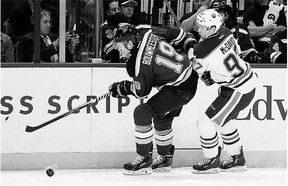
74,110
172,13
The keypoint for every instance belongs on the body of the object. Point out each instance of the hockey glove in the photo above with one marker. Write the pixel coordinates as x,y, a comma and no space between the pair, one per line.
189,42
120,89
206,78
192,58
254,57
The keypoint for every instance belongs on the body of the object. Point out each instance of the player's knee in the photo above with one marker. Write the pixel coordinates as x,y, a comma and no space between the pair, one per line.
143,115
228,127
203,123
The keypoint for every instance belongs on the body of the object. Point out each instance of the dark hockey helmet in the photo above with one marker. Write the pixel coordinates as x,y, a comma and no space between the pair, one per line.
124,41
125,33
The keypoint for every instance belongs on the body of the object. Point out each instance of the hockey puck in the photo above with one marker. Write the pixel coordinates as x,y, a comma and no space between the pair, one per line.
50,172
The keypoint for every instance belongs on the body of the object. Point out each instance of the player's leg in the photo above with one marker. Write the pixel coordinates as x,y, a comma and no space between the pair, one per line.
232,142
167,104
209,140
164,143
144,132
231,137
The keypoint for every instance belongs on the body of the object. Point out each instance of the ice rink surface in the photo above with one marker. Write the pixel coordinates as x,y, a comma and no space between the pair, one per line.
114,177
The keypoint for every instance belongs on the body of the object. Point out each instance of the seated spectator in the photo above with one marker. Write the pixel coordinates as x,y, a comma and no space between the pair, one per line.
248,52
112,9
124,16
263,18
277,50
49,42
7,50
19,21
108,51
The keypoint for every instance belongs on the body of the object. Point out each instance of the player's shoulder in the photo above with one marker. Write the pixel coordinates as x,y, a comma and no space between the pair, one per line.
148,37
205,47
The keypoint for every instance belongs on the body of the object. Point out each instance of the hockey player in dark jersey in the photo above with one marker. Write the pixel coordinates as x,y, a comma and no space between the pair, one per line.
152,62
216,60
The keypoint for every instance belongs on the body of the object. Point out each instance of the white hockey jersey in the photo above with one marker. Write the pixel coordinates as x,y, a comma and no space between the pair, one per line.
219,54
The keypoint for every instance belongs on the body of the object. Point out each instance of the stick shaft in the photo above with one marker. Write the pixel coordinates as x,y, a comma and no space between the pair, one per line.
34,128
172,13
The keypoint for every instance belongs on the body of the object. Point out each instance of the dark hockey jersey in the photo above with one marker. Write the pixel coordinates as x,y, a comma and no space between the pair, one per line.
244,40
219,55
157,62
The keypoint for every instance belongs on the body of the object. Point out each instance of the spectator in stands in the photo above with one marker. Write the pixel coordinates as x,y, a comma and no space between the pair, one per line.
124,16
108,51
248,52
19,21
7,50
263,18
277,50
49,42
112,9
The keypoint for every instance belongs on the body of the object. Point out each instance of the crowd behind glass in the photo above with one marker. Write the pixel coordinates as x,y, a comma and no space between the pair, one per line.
17,28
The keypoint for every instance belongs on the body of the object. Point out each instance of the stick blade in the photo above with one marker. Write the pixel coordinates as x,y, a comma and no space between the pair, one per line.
29,129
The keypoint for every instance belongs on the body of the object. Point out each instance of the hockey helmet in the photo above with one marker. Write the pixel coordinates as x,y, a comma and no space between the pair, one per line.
209,18
124,41
125,33
226,11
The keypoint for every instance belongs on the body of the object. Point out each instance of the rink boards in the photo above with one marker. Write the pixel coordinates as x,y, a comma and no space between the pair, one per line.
102,136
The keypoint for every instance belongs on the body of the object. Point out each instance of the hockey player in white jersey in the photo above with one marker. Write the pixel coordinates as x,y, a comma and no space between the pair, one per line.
216,60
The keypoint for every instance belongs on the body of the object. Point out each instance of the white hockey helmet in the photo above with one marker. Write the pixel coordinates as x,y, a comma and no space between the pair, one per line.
209,18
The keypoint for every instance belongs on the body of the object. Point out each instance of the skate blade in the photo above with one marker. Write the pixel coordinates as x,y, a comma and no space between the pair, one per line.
144,171
235,169
163,169
210,171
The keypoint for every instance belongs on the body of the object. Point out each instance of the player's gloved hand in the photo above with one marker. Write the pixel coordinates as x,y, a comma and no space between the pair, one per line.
206,78
192,57
190,53
120,89
189,42
254,57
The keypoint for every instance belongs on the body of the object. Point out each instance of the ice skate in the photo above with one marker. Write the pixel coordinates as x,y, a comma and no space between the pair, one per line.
234,163
208,165
140,166
163,162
